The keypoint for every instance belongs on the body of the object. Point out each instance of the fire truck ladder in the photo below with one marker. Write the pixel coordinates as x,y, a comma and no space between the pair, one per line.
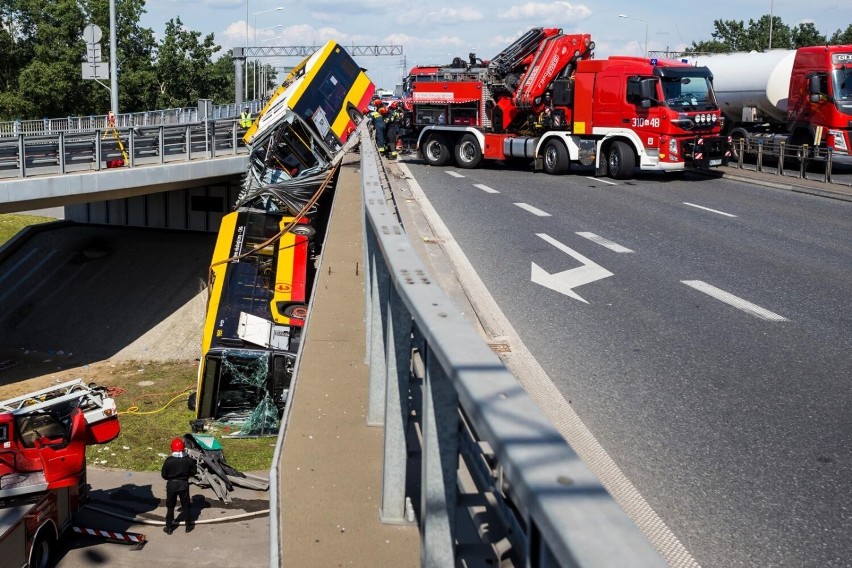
93,400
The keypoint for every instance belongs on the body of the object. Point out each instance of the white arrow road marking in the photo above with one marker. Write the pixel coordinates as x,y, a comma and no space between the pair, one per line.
564,282
708,209
534,210
734,301
485,188
604,242
454,174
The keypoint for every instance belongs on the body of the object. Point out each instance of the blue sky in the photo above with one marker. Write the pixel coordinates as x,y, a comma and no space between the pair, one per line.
438,30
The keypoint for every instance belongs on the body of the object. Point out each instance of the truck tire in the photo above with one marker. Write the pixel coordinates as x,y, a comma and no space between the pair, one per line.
621,160
436,152
468,152
43,551
556,157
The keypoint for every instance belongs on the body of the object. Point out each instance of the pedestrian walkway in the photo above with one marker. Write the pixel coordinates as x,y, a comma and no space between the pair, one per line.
331,467
814,185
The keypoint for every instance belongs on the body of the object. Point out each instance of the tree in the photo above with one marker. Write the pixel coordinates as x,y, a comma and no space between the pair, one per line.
184,66
842,37
807,34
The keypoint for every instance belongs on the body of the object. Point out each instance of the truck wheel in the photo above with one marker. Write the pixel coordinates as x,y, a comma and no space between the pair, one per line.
43,549
468,152
620,161
435,150
556,158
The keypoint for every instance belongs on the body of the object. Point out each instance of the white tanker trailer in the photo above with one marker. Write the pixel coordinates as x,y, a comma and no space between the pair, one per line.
801,96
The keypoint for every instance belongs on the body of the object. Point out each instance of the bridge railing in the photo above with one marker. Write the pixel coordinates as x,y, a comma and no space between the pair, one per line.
90,123
496,482
67,151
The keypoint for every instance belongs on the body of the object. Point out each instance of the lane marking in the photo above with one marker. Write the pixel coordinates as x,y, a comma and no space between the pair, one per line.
604,242
454,174
534,210
734,301
485,188
564,282
708,209
601,180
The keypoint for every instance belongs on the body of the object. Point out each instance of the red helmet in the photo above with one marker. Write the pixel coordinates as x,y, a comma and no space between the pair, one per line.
377,102
178,445
383,110
393,104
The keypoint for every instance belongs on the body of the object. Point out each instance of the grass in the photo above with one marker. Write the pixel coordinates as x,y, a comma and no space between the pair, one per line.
11,224
149,422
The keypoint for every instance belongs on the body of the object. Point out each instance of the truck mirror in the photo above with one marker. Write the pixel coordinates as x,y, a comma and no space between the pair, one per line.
813,86
815,98
647,90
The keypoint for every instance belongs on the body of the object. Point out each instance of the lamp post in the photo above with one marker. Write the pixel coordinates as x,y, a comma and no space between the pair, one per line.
646,29
255,40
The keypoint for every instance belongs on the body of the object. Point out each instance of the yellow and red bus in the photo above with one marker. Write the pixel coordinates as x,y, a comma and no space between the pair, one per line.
256,309
309,117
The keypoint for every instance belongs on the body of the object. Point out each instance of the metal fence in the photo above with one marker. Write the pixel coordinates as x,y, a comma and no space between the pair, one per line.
90,123
63,152
496,484
775,156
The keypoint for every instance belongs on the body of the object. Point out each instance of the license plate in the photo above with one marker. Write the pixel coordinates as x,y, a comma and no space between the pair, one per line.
716,162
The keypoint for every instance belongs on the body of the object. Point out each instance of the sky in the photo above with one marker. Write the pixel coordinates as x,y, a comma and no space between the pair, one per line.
436,31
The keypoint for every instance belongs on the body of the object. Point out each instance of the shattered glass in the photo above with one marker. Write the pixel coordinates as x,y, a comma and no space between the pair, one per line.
243,396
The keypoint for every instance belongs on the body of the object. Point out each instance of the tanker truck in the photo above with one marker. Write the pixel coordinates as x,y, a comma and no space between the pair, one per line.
798,97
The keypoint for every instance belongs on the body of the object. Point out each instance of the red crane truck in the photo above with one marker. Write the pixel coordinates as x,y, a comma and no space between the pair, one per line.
43,439
545,99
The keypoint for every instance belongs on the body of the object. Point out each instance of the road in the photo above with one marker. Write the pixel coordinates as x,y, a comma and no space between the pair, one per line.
706,343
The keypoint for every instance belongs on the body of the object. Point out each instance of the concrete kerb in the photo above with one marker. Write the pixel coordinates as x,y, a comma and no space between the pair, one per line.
795,185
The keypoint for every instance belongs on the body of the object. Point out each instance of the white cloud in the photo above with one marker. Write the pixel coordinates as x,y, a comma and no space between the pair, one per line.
558,11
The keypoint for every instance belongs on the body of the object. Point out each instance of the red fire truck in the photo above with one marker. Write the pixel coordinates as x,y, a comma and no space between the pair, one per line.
43,439
545,99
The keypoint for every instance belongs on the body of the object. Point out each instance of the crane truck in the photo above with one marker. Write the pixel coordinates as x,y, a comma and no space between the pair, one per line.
798,97
43,439
544,98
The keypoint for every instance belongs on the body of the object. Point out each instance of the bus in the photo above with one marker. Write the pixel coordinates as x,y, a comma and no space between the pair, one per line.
303,127
259,281
261,272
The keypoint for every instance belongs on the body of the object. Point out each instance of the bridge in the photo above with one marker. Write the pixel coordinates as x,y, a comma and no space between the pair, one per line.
542,505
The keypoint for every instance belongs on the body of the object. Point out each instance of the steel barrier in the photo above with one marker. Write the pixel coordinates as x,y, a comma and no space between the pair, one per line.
497,483
789,160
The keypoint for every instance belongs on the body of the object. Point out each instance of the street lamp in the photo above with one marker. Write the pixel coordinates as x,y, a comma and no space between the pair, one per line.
255,40
646,29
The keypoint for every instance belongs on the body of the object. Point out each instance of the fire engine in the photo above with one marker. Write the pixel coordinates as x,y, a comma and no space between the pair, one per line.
544,98
43,439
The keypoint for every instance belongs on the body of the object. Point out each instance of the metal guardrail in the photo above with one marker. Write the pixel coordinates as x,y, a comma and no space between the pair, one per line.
64,152
497,483
788,160
91,123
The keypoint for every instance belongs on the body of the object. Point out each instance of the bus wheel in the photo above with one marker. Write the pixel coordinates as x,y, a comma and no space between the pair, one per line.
355,115
43,549
296,311
556,158
468,152
621,161
305,230
435,150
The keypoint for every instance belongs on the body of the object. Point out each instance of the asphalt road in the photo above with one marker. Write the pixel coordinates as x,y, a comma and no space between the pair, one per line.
707,342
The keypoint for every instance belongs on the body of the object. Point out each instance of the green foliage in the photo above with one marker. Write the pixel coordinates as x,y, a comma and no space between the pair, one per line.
12,223
733,35
43,48
842,37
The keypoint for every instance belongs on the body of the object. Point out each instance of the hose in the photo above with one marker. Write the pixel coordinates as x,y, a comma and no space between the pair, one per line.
144,521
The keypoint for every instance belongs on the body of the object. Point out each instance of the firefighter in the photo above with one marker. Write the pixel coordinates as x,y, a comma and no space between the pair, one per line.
177,469
245,118
378,117
394,119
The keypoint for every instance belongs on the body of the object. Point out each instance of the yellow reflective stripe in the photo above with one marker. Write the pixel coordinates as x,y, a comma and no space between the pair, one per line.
354,96
220,252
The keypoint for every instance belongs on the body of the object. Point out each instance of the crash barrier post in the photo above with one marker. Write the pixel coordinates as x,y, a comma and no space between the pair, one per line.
485,449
